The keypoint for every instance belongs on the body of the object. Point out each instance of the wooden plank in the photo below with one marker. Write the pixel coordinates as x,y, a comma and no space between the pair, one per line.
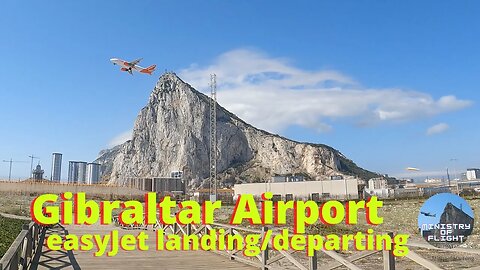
149,259
313,264
293,260
353,258
341,260
12,253
422,261
388,260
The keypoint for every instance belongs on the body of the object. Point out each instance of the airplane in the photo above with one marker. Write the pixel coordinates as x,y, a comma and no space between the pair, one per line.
130,66
428,214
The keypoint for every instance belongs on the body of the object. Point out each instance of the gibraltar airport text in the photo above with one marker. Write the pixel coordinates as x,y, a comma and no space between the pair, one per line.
75,209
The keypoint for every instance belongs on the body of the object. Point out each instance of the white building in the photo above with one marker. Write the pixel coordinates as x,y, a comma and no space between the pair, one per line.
77,172
378,187
93,173
330,189
377,183
473,174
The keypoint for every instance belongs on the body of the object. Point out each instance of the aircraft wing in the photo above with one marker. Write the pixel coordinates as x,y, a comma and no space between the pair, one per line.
137,67
136,61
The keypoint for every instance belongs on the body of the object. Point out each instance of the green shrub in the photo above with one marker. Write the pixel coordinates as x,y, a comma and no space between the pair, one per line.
9,229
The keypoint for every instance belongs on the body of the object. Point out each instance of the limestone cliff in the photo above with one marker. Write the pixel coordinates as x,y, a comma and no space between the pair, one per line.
172,133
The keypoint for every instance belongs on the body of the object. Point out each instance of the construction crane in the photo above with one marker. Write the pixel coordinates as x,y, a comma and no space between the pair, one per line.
10,170
213,137
31,164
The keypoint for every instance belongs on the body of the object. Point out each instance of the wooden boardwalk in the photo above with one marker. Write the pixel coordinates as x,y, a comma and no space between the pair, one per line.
151,259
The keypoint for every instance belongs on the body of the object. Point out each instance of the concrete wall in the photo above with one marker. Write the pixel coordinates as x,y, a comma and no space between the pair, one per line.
331,189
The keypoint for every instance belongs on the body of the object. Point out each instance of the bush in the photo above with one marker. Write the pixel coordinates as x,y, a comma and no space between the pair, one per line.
9,230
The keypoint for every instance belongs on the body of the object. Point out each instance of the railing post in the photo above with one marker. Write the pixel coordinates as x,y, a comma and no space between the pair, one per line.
189,228
313,261
14,262
23,252
231,252
264,252
29,239
174,228
388,257
36,229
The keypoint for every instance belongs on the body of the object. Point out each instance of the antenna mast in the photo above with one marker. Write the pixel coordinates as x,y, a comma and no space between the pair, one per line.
213,137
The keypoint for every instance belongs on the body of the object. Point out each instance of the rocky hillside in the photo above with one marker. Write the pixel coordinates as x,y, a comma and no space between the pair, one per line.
172,133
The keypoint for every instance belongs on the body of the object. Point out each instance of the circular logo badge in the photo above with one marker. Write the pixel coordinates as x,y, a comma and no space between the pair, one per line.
445,220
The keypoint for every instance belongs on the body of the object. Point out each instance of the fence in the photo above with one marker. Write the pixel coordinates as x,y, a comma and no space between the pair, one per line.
269,256
23,249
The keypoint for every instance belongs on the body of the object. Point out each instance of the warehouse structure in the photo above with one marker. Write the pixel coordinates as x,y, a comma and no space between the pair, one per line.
163,186
304,190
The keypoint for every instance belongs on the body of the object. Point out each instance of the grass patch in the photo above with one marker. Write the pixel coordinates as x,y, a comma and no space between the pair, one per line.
9,229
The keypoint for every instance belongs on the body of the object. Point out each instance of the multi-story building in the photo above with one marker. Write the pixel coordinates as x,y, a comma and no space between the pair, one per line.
473,174
56,167
77,172
93,173
377,183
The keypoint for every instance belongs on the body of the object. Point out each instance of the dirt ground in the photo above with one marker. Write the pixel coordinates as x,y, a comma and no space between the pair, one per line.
399,217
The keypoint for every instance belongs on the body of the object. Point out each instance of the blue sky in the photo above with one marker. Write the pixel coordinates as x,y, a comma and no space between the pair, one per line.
367,78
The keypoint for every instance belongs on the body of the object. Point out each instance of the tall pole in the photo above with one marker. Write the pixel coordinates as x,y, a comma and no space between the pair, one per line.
455,176
10,171
213,137
448,178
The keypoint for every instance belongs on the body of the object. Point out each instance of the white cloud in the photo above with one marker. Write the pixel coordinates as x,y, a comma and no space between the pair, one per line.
120,138
436,129
272,94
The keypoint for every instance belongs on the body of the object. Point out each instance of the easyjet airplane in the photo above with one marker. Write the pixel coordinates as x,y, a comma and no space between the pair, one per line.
130,66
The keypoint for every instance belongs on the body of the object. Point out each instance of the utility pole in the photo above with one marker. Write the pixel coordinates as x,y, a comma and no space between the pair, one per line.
448,178
10,170
455,176
31,165
213,137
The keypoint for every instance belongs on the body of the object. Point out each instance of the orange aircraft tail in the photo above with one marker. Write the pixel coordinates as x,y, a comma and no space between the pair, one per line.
149,70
